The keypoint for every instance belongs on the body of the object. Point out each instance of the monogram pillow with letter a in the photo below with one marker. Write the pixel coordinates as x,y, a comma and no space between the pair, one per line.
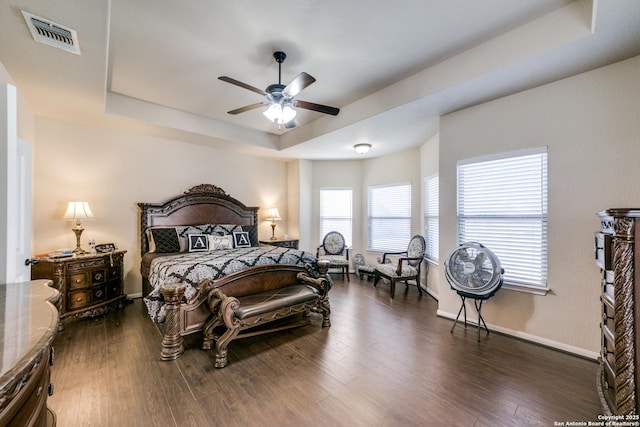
241,239
198,242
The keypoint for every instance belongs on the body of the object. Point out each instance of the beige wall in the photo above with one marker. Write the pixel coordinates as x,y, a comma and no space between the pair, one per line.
115,170
338,174
393,169
299,182
429,166
359,175
590,124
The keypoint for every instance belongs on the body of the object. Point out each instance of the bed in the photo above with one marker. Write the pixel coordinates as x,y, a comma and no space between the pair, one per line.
202,210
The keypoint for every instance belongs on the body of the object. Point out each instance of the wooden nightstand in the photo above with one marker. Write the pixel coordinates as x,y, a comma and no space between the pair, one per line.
284,243
88,284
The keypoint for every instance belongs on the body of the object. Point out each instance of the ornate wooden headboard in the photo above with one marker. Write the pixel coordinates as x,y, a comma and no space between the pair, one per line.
201,204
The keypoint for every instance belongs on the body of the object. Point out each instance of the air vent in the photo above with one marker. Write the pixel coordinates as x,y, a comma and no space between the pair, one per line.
52,34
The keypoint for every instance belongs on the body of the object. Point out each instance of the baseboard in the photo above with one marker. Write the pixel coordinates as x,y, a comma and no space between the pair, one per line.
431,293
577,351
134,296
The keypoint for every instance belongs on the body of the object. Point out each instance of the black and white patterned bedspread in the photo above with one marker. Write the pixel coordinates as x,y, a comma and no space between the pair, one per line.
193,267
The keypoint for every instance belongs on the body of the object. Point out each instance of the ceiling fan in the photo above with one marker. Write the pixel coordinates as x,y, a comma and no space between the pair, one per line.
280,102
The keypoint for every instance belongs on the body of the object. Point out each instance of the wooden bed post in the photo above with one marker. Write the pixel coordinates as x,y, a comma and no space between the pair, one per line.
172,343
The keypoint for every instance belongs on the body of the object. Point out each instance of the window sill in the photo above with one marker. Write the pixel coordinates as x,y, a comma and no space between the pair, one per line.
526,289
432,262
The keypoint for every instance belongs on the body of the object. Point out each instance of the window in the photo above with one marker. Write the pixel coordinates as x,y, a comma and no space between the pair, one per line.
389,217
335,212
431,216
502,203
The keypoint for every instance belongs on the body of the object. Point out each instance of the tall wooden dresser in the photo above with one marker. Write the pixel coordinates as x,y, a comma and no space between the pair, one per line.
617,251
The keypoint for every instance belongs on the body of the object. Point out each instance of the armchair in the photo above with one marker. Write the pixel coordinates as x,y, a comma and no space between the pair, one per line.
407,267
334,249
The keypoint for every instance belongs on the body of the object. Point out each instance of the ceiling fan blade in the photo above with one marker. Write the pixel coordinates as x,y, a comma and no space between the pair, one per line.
317,107
246,108
243,85
298,84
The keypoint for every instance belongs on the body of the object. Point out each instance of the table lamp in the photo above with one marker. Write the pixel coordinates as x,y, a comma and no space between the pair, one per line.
273,215
76,211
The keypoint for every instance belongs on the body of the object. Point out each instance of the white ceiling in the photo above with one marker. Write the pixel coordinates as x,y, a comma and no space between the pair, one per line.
392,68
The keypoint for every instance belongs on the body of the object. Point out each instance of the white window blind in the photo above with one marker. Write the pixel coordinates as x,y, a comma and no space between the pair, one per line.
389,214
431,217
502,203
335,212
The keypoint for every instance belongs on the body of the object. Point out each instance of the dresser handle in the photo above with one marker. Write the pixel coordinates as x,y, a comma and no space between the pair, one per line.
52,356
50,389
99,294
79,299
78,280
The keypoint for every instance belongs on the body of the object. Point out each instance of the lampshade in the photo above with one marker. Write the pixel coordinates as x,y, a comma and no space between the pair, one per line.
78,210
273,214
279,114
362,148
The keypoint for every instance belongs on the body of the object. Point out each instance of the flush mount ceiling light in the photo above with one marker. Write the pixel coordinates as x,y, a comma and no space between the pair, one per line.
362,148
280,102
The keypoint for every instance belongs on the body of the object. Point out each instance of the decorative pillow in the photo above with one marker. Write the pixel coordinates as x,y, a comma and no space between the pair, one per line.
241,239
214,229
163,240
220,242
198,242
253,234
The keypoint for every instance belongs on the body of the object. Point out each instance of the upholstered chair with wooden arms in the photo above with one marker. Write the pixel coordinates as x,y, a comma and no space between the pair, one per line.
406,268
334,249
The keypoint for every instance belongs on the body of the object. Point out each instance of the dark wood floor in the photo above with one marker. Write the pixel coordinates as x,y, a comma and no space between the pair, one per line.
382,363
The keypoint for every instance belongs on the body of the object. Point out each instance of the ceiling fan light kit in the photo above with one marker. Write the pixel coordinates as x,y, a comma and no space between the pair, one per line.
280,103
279,114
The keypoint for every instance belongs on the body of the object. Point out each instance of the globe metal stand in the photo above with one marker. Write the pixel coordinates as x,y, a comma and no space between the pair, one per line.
477,302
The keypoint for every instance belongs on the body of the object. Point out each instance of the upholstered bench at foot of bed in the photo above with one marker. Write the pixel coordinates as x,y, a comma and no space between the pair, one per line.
239,314
272,295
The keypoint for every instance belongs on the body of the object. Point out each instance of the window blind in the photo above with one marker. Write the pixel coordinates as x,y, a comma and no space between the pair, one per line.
336,212
431,217
389,217
502,203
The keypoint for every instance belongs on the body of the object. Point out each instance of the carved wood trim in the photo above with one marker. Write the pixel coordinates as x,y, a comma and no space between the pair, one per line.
172,343
203,195
206,189
625,334
18,382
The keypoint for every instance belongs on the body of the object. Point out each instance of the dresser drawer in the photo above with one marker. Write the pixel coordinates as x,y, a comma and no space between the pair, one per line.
99,276
77,300
77,281
113,289
98,294
602,248
29,405
114,273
